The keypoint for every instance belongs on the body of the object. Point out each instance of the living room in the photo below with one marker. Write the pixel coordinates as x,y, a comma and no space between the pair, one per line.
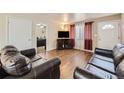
67,36
61,46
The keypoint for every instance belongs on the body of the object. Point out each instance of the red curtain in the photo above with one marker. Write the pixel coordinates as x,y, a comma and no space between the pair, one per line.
72,34
88,35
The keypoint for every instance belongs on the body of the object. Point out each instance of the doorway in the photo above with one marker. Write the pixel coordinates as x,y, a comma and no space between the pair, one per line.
20,33
108,34
41,35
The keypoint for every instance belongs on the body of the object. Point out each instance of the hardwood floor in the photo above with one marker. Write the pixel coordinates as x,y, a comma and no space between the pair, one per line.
69,60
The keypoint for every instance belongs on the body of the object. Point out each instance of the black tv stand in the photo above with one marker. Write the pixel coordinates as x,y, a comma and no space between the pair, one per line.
64,43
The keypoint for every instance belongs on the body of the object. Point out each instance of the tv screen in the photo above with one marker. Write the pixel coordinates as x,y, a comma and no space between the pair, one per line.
63,34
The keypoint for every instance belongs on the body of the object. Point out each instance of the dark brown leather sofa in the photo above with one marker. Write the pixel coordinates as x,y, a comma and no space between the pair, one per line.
104,64
41,68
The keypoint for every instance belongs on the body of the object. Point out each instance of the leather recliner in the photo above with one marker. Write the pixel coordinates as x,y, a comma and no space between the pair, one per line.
104,64
41,68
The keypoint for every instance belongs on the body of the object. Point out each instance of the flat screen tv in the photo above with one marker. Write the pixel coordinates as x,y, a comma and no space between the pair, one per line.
63,34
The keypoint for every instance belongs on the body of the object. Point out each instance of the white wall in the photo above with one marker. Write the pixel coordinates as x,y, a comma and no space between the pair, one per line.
52,20
122,19
3,31
51,28
51,25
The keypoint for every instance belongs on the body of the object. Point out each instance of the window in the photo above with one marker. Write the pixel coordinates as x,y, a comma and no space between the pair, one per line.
108,26
79,29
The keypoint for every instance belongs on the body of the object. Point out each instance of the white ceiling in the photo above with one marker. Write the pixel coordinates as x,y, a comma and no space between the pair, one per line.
60,17
82,16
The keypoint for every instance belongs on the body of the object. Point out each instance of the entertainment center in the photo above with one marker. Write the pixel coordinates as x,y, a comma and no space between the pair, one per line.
63,41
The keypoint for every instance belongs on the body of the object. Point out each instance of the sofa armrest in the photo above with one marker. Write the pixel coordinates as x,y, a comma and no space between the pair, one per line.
84,74
47,70
104,52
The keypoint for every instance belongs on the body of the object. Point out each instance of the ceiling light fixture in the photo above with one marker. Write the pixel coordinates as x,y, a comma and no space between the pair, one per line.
38,24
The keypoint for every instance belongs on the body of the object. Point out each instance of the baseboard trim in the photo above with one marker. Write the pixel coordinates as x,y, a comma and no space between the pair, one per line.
88,50
85,50
51,49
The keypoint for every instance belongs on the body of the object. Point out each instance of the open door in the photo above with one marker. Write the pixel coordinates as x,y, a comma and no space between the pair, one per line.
41,31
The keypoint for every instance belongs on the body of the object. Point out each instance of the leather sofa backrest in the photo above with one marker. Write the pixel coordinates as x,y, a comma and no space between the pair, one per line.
119,56
29,52
120,70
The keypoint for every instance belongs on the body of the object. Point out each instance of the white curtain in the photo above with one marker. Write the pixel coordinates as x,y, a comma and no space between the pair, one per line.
79,35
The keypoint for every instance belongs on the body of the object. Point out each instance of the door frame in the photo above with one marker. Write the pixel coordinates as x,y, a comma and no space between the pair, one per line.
119,30
46,36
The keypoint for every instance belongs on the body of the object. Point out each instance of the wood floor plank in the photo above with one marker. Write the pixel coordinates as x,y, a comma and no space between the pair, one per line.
70,59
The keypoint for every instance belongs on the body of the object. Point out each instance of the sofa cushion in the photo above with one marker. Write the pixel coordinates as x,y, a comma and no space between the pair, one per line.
81,73
13,62
104,58
105,65
120,70
99,72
